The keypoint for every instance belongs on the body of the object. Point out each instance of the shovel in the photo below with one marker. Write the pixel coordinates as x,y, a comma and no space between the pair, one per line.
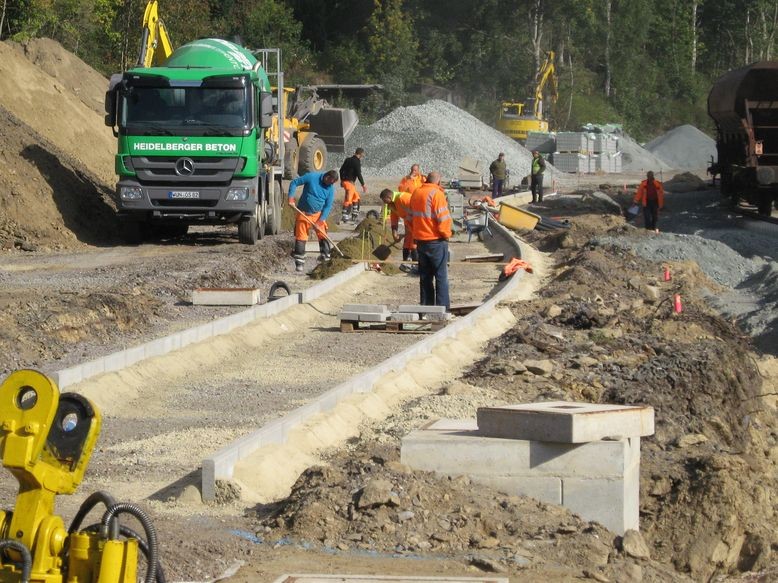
321,231
383,251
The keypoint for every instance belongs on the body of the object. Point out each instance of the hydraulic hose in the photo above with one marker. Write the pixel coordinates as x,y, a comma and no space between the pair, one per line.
8,543
110,516
86,508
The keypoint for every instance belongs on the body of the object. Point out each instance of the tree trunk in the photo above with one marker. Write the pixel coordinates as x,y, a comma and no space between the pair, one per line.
572,86
695,5
536,31
608,4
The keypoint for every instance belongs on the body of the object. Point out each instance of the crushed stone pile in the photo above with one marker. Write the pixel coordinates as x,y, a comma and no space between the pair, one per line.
684,148
437,136
635,158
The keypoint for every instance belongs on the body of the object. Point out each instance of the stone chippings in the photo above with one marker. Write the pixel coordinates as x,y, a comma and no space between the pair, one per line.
684,147
437,136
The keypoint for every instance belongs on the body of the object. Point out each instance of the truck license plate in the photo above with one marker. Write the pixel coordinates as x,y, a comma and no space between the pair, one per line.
183,194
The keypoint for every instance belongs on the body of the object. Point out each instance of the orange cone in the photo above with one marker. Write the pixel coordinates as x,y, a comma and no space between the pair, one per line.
677,307
668,277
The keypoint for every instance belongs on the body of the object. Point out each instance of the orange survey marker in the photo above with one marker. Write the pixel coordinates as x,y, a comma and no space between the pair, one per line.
513,266
668,277
677,307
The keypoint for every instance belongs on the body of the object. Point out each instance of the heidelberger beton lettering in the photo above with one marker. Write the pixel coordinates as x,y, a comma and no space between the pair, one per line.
157,147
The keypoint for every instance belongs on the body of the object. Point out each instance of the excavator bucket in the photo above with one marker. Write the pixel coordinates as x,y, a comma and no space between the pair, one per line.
334,126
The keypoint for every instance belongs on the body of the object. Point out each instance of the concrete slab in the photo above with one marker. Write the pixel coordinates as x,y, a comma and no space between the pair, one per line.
565,422
546,489
416,309
364,316
437,316
365,308
611,502
403,317
225,296
448,451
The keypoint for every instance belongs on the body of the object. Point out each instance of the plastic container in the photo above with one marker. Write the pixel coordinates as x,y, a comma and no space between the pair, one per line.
516,218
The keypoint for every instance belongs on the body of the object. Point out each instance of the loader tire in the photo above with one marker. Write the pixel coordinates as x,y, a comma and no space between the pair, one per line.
313,155
291,159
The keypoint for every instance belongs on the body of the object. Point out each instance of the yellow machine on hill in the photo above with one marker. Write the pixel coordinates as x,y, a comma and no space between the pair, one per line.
517,119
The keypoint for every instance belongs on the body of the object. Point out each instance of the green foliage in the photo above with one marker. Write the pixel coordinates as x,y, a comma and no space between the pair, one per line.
649,67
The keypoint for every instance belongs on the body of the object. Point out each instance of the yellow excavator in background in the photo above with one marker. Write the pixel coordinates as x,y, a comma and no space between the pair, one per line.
517,119
311,127
154,37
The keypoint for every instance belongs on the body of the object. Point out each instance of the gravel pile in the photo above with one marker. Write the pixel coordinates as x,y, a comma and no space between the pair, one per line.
684,147
635,158
436,135
719,261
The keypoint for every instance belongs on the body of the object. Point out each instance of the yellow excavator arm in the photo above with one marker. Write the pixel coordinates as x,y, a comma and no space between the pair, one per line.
546,76
155,46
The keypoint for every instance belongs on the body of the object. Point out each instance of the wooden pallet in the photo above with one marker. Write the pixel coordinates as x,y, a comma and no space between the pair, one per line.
418,327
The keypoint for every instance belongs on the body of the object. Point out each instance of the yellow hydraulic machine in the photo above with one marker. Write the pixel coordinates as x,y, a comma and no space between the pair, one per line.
517,119
155,45
46,440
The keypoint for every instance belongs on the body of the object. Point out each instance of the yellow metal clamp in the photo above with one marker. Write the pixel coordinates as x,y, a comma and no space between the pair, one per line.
46,441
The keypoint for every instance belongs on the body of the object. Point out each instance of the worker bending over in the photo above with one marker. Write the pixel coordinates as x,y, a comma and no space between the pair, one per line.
399,206
350,172
413,181
313,209
431,221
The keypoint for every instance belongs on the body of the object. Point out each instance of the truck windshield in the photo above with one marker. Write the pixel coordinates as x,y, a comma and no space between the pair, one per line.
185,111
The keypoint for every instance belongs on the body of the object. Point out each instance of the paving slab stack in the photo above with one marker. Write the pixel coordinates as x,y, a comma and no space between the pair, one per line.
585,457
586,153
382,313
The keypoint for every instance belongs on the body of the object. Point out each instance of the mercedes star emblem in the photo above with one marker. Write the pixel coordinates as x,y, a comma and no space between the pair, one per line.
185,167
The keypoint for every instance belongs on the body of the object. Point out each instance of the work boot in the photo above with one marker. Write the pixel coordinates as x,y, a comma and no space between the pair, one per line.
299,255
324,250
355,211
344,215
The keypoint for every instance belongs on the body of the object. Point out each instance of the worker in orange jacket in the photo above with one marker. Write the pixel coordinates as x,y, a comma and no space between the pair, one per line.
651,196
399,206
432,224
413,181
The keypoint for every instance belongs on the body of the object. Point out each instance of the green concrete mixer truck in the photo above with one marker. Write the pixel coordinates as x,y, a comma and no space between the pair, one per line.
204,138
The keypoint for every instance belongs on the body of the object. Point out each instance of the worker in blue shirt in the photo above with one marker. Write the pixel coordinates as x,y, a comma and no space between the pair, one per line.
314,206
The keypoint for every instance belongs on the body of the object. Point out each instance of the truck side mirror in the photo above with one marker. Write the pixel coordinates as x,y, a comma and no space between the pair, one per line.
265,109
111,98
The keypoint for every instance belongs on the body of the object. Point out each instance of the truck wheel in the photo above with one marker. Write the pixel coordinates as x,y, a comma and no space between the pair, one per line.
251,229
313,155
274,210
291,159
765,206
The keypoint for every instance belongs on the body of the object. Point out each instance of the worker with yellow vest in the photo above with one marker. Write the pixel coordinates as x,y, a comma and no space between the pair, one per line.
432,224
399,207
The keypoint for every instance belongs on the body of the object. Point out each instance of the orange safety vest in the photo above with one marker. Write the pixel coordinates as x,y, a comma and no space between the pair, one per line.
411,183
402,208
430,214
641,195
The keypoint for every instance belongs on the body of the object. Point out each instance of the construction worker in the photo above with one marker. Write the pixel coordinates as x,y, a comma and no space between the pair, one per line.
432,224
412,181
399,205
314,206
536,176
499,171
651,196
350,172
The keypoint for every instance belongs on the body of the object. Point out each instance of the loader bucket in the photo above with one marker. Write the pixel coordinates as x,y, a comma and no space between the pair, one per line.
334,126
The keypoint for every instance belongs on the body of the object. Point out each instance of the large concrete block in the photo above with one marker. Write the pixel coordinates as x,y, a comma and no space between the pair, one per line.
565,422
448,451
416,309
611,502
403,317
546,489
225,296
364,316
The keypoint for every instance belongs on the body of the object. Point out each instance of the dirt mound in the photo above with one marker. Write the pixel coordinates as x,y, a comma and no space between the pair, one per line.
606,320
368,500
637,159
55,112
685,182
47,199
74,74
684,147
